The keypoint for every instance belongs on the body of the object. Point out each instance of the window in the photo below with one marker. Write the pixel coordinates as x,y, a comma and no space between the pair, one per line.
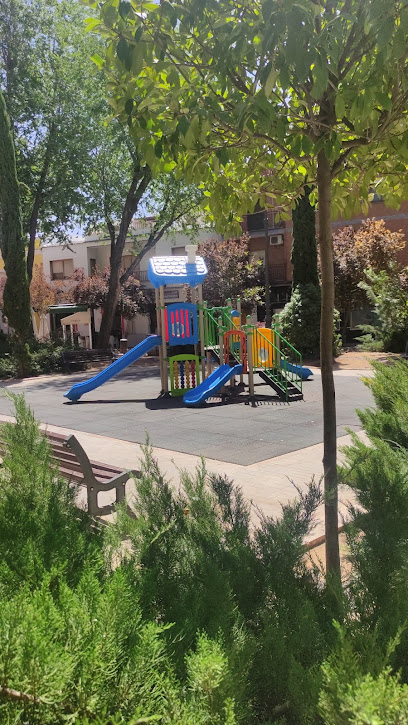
92,266
256,221
62,268
178,251
259,255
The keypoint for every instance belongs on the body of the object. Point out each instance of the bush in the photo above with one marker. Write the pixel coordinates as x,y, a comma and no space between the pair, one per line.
371,339
299,321
378,534
351,695
196,621
8,367
45,358
190,613
41,528
387,291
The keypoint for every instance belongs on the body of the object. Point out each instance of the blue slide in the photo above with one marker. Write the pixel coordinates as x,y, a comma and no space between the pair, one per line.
210,385
304,373
80,388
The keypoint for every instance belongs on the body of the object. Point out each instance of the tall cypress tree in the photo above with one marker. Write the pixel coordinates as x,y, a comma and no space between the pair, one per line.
300,319
16,295
304,247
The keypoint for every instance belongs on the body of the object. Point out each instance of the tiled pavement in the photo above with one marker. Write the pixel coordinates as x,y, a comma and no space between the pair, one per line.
262,448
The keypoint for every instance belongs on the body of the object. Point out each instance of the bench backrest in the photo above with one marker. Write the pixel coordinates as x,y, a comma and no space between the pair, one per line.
86,354
74,465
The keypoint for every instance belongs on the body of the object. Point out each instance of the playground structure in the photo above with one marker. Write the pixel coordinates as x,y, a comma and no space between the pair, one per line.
217,347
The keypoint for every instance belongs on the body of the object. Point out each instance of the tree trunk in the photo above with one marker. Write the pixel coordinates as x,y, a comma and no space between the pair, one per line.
38,199
111,303
140,182
268,316
326,360
16,295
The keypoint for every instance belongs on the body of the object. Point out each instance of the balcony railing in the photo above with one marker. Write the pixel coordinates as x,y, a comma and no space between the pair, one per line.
277,273
256,221
141,275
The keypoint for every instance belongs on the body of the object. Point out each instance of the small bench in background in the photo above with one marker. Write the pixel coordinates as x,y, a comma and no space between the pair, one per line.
84,356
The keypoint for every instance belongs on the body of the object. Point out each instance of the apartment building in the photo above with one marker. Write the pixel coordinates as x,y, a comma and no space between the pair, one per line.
92,252
277,235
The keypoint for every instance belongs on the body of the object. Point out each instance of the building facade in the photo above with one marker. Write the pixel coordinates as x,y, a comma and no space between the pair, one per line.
278,235
92,252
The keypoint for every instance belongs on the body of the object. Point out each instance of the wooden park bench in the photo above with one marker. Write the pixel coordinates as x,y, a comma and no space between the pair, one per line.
74,465
84,357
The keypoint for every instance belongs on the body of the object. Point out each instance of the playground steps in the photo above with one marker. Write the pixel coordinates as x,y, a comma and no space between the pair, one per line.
283,387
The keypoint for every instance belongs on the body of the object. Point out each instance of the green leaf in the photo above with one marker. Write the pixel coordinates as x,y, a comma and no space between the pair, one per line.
267,9
110,16
183,125
96,58
129,106
123,52
191,136
223,155
270,82
138,33
92,23
384,101
385,32
296,145
321,79
137,58
124,9
340,106
307,145
205,129
158,149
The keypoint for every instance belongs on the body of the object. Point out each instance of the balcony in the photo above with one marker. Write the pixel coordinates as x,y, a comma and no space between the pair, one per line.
141,275
277,273
256,222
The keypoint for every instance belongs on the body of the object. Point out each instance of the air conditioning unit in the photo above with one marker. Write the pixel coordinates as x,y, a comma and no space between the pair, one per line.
276,240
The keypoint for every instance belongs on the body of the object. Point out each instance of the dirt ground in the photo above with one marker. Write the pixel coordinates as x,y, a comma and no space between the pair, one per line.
354,360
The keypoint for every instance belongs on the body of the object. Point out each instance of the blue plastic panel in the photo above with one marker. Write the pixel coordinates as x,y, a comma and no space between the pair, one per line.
176,270
182,323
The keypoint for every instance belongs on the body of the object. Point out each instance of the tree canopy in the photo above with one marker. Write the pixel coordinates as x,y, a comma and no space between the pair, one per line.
371,246
56,103
232,273
262,97
92,290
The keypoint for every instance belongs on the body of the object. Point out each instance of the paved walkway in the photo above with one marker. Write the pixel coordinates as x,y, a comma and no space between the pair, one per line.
264,449
268,484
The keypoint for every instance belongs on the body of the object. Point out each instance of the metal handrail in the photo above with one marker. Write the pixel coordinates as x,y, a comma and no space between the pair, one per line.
280,371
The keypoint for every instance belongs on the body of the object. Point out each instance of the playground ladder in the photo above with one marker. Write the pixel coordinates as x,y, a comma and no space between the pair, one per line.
282,375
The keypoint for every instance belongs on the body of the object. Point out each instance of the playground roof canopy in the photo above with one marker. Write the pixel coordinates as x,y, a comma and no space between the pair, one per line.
176,270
